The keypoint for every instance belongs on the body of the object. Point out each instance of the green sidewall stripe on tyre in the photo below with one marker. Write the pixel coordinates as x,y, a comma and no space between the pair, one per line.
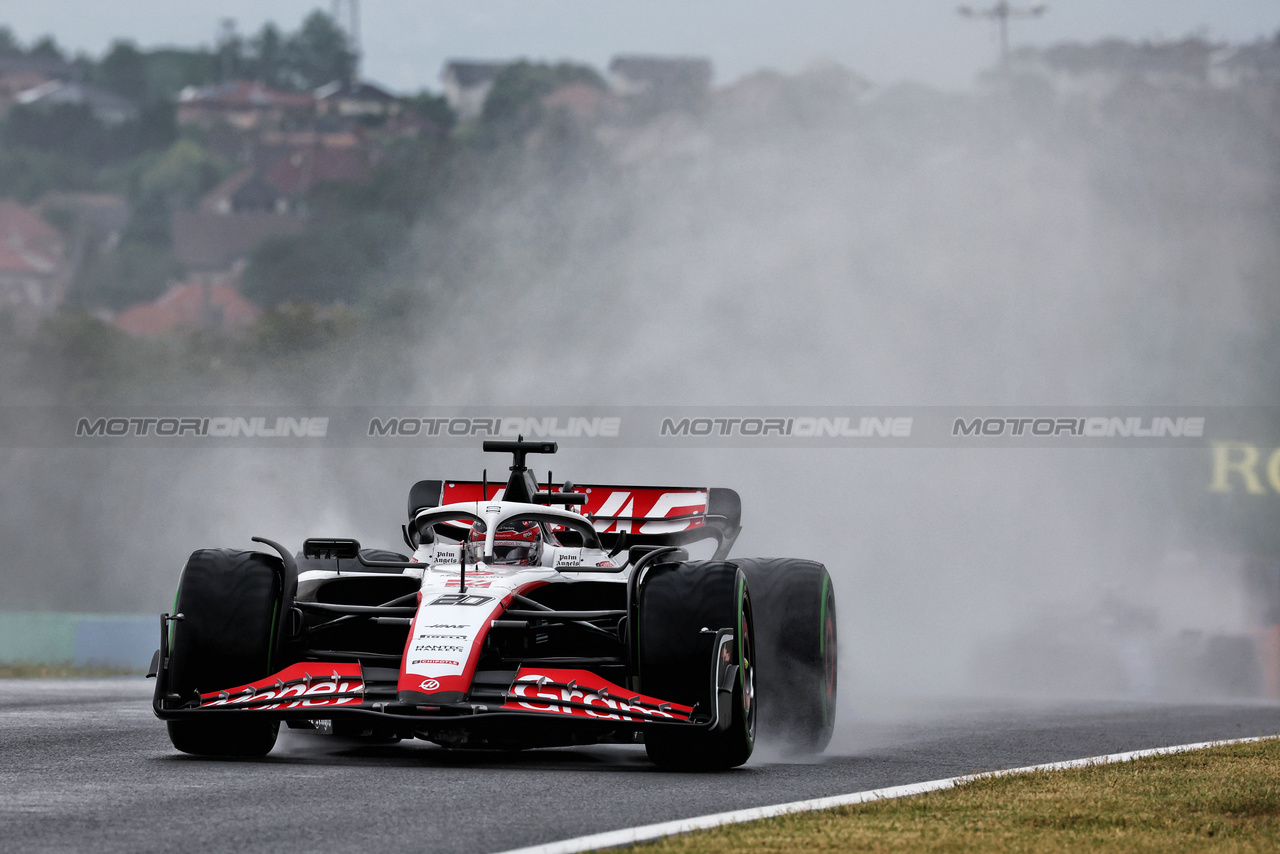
822,626
749,718
827,711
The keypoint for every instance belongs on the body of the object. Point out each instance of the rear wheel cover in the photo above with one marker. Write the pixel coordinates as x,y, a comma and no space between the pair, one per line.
830,663
746,661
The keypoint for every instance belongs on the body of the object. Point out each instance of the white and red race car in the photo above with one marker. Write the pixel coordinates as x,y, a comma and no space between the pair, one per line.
526,616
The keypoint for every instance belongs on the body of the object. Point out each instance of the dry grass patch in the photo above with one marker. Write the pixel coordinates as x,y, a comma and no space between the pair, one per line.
1224,799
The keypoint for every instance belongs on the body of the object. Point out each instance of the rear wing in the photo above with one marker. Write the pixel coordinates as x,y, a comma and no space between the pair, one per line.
622,515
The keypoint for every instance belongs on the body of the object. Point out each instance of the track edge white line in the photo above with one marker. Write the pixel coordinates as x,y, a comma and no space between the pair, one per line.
650,832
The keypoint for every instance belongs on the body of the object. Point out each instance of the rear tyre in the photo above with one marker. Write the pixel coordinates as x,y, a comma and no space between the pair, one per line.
675,656
230,602
796,651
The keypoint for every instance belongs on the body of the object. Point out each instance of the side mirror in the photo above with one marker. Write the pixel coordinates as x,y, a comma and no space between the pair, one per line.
327,549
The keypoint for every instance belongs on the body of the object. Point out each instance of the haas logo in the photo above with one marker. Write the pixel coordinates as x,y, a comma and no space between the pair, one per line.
429,685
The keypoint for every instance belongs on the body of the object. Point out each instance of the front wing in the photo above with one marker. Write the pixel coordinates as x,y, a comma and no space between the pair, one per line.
312,691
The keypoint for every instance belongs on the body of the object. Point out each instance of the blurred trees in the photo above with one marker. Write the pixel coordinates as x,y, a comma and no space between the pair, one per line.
28,173
355,230
71,130
46,48
124,71
9,45
433,108
319,52
514,105
181,174
270,56
330,262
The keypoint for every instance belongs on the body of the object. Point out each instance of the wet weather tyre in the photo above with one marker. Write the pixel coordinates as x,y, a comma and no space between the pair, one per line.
230,604
676,657
796,654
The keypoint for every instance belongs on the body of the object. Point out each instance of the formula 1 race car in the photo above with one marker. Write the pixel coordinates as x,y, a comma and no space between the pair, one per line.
527,616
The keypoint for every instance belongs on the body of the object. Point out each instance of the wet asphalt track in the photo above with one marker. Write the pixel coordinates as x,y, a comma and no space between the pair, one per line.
85,767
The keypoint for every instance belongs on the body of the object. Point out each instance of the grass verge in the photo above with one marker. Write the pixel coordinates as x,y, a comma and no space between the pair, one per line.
1224,799
61,671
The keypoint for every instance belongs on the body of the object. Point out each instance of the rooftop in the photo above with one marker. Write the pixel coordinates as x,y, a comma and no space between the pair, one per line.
188,305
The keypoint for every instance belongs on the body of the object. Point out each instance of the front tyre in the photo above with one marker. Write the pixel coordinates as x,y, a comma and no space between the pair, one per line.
681,607
230,602
224,738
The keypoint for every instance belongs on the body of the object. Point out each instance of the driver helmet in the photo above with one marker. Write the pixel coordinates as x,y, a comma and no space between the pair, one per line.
516,543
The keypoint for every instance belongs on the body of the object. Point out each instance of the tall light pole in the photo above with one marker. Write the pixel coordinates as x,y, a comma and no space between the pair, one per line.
1002,12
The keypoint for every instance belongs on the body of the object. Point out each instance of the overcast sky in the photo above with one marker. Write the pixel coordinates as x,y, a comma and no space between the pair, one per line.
406,41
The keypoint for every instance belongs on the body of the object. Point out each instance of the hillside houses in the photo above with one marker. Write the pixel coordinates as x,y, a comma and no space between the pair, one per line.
360,101
288,144
265,199
19,74
1190,63
244,105
647,84
243,161
33,268
190,305
661,81
1257,63
105,107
